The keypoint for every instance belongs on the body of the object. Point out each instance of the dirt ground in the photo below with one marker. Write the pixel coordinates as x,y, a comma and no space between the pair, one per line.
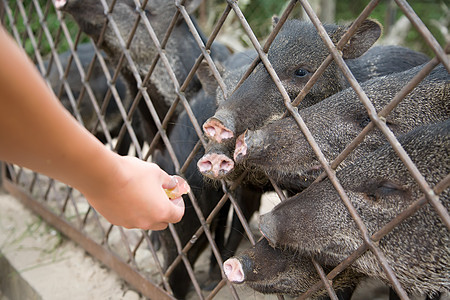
56,268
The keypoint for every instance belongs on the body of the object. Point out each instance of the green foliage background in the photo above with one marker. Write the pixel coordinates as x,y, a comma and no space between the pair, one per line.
257,12
32,17
427,10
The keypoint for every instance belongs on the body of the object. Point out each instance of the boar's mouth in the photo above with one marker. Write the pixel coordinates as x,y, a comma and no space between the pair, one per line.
273,288
314,170
305,177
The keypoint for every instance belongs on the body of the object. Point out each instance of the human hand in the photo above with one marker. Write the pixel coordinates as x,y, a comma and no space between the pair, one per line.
127,191
177,188
138,196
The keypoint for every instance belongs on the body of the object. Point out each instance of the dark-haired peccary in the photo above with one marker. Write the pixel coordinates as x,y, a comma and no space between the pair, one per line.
181,48
99,86
248,195
295,54
282,151
270,270
380,187
379,61
183,138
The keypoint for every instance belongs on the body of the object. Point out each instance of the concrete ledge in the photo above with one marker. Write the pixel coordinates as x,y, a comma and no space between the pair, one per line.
12,285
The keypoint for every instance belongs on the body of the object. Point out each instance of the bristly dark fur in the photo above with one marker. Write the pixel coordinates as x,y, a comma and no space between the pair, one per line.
418,250
271,270
281,149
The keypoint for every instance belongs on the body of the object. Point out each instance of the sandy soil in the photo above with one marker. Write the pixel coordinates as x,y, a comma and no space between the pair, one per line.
54,266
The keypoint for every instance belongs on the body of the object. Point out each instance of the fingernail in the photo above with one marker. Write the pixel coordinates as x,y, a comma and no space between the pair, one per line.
173,181
178,201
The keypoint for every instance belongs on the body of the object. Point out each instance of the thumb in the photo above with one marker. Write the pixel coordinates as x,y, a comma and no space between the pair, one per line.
176,210
175,187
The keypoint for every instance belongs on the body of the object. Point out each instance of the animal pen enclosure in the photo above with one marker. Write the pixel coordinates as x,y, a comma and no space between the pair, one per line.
136,254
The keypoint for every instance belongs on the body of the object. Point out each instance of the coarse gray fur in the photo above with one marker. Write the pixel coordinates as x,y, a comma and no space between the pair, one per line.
99,85
281,149
270,270
384,60
181,49
297,46
379,186
97,81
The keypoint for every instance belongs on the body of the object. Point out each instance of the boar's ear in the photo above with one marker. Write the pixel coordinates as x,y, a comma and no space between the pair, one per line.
206,77
364,37
275,20
380,188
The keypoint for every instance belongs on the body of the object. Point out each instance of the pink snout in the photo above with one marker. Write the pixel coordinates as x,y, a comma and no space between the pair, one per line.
233,270
241,148
215,166
215,130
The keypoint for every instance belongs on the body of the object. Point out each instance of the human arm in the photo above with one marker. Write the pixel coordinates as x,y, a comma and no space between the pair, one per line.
37,132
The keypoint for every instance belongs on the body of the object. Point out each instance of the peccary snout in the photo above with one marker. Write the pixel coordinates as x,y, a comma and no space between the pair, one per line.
241,148
380,187
218,131
215,165
249,140
233,270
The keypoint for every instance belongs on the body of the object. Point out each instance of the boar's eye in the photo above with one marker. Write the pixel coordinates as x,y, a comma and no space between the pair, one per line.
382,188
387,188
301,72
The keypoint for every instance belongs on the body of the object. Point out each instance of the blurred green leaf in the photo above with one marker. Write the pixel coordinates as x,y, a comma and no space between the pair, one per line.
257,12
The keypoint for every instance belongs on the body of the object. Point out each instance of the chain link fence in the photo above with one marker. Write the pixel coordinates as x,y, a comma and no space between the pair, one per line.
132,72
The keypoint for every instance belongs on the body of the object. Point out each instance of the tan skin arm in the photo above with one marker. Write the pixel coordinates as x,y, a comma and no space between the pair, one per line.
38,133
